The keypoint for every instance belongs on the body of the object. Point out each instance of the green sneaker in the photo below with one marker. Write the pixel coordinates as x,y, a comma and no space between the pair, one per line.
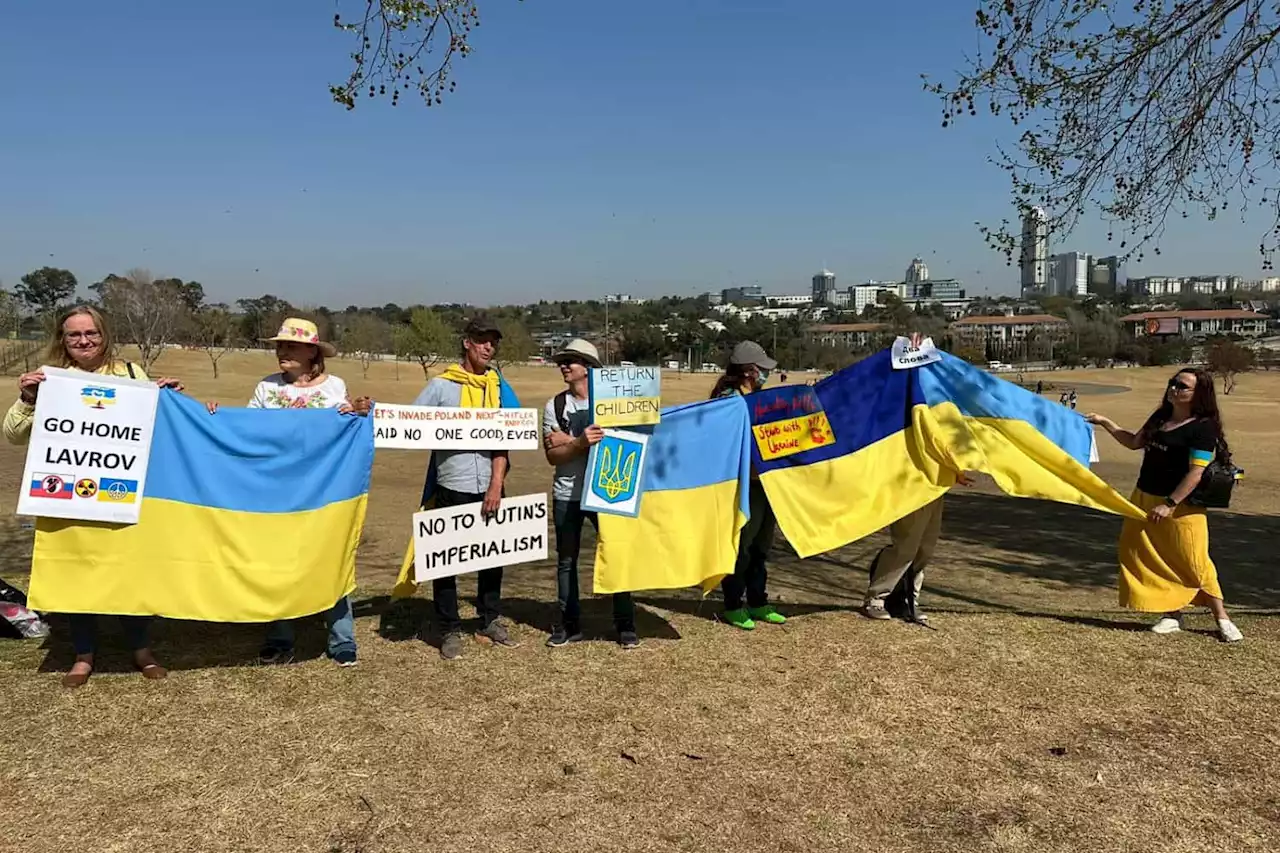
768,613
739,618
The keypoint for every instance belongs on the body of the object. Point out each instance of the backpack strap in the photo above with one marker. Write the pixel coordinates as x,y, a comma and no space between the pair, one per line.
559,403
129,367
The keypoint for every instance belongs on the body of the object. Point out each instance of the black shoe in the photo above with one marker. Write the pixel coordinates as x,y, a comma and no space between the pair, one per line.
271,655
563,636
628,640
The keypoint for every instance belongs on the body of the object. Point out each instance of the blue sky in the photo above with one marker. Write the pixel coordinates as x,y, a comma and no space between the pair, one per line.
592,147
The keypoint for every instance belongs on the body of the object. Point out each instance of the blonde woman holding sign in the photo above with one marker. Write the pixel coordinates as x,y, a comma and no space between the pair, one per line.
83,341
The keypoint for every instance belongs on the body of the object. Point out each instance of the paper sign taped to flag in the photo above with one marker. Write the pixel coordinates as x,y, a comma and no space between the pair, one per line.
90,443
904,356
400,427
788,420
460,539
625,396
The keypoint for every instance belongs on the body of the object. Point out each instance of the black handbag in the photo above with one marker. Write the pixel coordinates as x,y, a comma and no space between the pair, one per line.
1216,483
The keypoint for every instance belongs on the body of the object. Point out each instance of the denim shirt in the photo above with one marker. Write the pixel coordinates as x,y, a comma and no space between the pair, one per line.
466,471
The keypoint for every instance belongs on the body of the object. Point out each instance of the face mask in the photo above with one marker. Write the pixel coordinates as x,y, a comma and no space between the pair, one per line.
762,377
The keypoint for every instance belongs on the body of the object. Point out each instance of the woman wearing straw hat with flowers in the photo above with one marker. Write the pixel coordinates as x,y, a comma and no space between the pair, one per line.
303,383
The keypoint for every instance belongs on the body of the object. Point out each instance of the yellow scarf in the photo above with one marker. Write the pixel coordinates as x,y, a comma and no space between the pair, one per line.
478,392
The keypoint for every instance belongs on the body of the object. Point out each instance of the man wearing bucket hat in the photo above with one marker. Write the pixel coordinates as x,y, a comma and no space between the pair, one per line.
568,435
748,370
461,477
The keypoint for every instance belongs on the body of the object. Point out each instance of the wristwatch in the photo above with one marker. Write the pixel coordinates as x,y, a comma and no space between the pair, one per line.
1170,502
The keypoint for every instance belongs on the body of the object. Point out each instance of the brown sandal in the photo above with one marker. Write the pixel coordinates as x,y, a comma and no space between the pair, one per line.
153,670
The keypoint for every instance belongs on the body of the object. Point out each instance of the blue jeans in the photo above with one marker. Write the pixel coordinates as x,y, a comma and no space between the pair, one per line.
569,518
84,632
342,630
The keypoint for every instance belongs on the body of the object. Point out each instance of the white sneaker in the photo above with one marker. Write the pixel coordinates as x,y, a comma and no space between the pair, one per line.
1168,625
1229,632
875,610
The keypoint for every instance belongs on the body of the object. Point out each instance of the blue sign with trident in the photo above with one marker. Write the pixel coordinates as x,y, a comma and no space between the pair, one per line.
615,472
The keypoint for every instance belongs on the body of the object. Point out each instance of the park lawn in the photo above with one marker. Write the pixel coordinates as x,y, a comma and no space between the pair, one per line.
1038,717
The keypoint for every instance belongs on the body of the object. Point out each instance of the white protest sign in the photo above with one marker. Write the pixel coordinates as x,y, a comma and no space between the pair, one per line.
461,539
90,442
437,428
904,356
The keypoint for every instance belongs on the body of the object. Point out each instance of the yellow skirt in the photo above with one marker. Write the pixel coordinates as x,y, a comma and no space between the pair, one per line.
1164,566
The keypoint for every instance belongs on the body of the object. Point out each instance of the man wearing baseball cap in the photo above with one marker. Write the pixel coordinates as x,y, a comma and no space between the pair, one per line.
468,477
568,435
748,370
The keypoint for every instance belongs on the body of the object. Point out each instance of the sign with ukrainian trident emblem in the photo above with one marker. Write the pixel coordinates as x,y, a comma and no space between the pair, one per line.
614,483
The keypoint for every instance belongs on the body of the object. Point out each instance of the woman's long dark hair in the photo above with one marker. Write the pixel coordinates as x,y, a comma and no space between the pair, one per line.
734,376
1204,404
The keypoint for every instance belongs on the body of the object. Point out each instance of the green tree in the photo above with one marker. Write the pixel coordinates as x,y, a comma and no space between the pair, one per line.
46,289
366,336
1227,359
147,313
517,344
261,317
1130,109
426,338
215,331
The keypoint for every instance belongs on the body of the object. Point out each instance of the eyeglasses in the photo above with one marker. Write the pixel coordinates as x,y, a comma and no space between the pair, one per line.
83,336
1179,385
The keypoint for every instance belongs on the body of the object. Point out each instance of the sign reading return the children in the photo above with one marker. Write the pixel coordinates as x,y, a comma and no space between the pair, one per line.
435,428
625,396
90,442
787,421
461,539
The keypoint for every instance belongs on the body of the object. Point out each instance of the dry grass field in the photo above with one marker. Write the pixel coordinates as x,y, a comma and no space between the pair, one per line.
1037,717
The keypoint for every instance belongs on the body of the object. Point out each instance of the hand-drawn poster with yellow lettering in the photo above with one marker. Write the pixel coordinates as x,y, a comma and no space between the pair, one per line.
613,473
787,421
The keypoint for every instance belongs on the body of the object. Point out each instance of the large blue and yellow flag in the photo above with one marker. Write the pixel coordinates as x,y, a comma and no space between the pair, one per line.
695,500
247,516
897,438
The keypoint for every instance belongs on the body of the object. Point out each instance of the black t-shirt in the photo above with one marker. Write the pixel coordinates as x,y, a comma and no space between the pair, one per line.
1169,454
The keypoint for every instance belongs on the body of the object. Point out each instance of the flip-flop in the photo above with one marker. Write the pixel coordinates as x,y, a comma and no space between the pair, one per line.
153,671
76,679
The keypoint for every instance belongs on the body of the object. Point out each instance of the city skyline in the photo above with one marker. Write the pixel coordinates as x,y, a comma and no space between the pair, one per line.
660,172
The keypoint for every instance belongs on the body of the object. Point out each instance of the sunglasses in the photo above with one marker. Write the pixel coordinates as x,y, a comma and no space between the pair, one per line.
1179,385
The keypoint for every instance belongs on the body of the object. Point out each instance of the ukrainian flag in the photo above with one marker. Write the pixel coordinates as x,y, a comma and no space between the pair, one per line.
900,436
695,479
246,516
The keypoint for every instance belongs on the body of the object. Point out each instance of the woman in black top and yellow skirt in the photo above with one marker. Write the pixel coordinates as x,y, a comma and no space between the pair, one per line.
1164,561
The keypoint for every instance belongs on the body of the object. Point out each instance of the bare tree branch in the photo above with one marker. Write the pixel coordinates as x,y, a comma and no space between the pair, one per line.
405,46
1131,110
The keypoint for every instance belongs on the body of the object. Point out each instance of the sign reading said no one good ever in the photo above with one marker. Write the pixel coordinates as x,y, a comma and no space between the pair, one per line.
788,420
625,396
461,539
90,442
613,482
399,427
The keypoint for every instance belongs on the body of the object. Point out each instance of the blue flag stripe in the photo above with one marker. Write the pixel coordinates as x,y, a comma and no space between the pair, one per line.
257,461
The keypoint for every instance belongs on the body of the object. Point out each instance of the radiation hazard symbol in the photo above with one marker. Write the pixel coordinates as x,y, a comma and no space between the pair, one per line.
86,488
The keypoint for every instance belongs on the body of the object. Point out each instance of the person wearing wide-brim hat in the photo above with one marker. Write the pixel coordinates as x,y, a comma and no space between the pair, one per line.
748,370
304,383
567,437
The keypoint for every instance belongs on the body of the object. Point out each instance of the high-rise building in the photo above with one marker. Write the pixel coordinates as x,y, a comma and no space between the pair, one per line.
824,288
1104,276
1070,274
1034,260
917,271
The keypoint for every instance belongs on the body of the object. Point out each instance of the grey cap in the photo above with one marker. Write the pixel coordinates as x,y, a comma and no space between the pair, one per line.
750,352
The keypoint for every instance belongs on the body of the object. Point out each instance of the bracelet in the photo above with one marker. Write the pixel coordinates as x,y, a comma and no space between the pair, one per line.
1170,502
